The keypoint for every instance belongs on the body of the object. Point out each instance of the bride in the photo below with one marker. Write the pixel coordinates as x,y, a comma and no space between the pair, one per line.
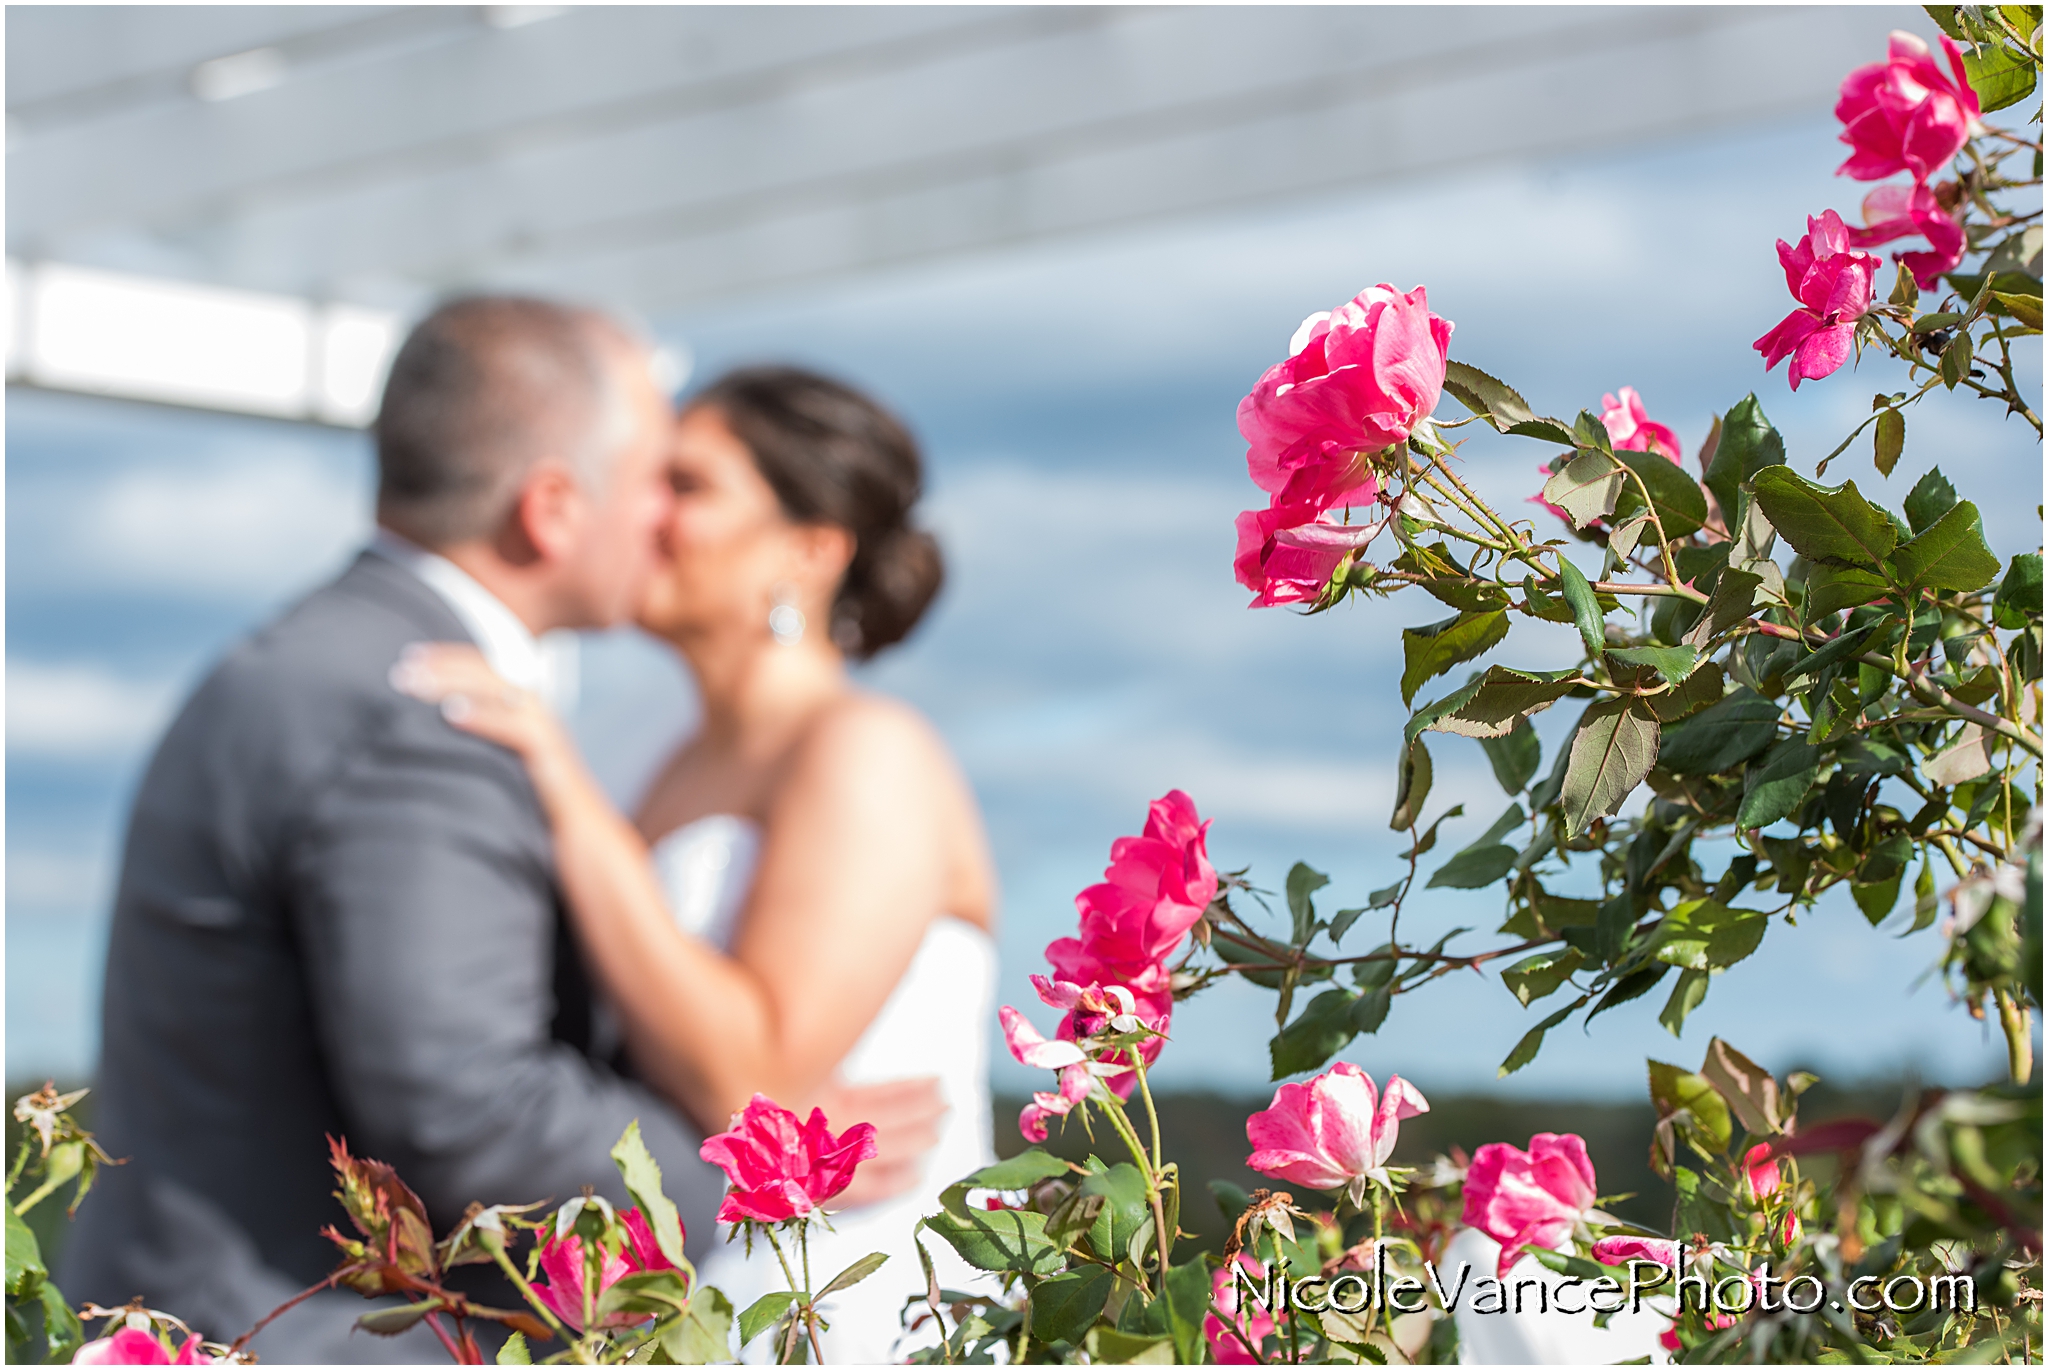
806,893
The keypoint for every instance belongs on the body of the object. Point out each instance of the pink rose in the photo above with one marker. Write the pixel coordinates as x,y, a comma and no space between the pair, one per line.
1287,554
1529,1198
1630,428
1622,1250
1905,113
780,1169
1833,287
1789,1231
561,1261
1900,211
1334,1132
1155,888
1356,381
1252,1326
1760,1173
131,1347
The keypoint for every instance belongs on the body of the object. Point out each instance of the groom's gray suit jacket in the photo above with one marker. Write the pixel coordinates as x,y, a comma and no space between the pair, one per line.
337,915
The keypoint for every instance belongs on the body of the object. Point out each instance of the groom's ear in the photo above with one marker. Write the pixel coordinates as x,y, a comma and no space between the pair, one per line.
548,518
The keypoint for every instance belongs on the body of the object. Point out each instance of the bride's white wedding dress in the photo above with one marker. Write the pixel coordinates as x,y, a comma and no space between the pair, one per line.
933,1024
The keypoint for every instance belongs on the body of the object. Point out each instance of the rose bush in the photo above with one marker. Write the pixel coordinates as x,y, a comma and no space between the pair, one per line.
1817,693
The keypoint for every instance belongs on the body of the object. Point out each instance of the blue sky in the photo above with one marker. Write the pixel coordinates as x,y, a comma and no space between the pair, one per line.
1091,650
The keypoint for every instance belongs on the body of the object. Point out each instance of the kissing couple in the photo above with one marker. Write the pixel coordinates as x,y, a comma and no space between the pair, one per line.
370,891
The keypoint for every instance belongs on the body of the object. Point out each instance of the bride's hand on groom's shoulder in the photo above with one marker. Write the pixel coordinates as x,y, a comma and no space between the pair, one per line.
476,699
906,1115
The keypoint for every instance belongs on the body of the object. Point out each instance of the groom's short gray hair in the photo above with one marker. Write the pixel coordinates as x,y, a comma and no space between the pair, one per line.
483,388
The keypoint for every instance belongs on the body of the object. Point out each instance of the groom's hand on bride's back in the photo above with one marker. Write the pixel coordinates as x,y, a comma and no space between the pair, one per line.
906,1115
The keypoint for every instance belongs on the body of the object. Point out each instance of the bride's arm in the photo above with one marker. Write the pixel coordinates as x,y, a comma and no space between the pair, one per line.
851,871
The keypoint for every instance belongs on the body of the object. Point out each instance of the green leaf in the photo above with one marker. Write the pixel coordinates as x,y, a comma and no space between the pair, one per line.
763,1313
1010,1239
1187,1304
1586,488
1532,1040
1686,995
1369,1011
1680,504
1875,901
1413,790
1538,976
1064,1307
2019,595
1673,1089
2025,308
1839,648
1124,1208
703,1335
656,1292
1950,555
1492,703
1831,588
1630,987
1490,398
1889,440
1108,1346
1721,736
1544,430
1774,787
643,1181
515,1352
1818,521
1704,686
389,1322
1431,650
1704,934
1341,922
1733,602
1021,1171
2000,76
1748,444
1515,758
855,1273
25,1269
1672,663
1302,883
1613,749
1932,497
1578,593
1474,868
1319,1032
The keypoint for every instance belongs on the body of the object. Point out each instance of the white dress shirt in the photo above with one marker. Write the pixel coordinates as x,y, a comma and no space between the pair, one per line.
546,665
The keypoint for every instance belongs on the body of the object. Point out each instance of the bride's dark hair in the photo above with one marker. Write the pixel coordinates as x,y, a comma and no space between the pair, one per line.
832,455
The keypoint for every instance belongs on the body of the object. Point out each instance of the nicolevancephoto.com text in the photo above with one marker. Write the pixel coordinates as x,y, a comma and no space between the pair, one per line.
1356,1291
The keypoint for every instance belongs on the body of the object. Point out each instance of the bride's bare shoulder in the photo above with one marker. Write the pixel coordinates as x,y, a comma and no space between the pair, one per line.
859,730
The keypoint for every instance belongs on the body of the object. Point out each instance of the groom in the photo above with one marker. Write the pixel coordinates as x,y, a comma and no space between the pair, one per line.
337,915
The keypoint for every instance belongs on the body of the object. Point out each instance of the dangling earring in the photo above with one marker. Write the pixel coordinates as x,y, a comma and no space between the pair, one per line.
785,620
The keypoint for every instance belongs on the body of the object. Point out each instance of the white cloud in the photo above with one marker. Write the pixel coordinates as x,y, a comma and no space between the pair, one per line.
250,528
82,712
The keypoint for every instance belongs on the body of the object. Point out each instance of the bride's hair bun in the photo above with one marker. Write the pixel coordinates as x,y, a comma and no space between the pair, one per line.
832,455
